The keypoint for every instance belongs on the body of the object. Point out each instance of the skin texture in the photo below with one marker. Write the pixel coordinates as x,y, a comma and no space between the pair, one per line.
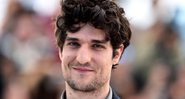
87,60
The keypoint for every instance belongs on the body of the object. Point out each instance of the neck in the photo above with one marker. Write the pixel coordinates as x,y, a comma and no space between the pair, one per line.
100,93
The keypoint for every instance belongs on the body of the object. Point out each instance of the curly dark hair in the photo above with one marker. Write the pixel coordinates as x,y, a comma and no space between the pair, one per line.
101,14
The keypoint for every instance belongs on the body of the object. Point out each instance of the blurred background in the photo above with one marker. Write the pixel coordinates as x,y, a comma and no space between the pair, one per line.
152,67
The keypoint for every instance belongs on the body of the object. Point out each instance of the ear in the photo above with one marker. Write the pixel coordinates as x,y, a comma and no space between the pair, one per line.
60,54
118,54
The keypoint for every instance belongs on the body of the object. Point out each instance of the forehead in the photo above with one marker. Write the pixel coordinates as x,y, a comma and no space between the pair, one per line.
88,32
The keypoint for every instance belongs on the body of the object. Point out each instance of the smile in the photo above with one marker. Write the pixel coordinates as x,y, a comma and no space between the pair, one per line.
83,69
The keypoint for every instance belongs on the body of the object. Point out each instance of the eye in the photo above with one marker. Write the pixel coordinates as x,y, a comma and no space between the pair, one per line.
98,46
73,44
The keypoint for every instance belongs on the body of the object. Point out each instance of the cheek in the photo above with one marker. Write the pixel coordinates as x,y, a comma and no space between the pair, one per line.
65,59
105,71
105,58
65,67
104,63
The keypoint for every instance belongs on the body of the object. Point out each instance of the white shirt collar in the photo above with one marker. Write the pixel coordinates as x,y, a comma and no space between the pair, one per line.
110,94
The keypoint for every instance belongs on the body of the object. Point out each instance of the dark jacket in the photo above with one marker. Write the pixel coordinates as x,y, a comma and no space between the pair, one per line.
115,96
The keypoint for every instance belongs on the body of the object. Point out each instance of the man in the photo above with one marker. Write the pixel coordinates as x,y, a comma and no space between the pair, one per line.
91,36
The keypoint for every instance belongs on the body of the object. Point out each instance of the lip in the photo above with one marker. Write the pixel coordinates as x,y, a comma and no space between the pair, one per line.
83,69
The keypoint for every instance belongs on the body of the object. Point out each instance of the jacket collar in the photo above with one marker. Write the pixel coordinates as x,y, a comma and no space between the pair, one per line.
112,92
114,95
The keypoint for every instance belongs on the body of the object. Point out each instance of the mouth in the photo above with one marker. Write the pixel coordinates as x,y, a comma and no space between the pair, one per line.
83,69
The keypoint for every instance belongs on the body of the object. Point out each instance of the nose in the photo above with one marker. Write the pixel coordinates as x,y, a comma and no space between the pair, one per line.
84,55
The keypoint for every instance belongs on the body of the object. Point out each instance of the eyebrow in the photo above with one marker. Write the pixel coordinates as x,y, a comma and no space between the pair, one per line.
99,41
72,39
94,41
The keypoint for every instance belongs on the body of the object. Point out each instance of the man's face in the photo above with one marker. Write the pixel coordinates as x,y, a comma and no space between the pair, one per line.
87,59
